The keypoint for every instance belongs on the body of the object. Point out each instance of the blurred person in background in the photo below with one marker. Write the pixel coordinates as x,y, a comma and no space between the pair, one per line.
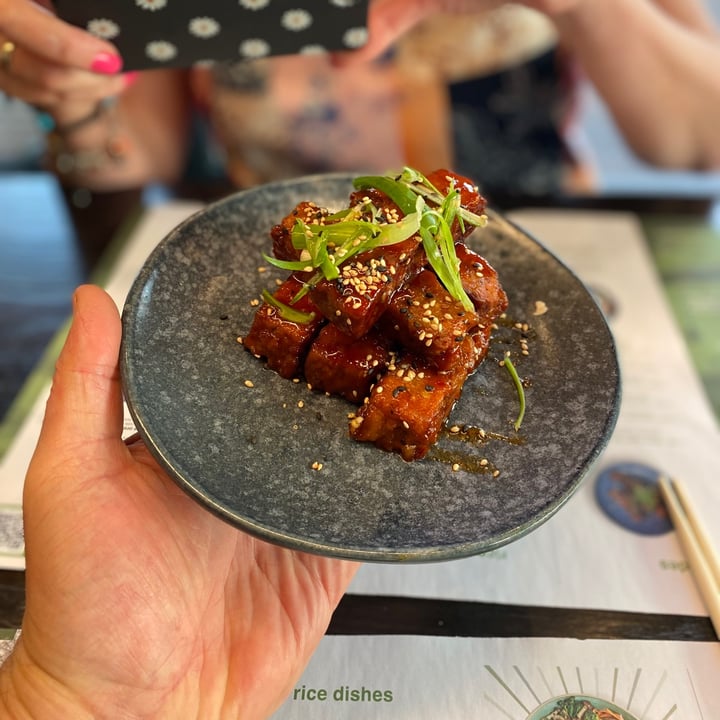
482,86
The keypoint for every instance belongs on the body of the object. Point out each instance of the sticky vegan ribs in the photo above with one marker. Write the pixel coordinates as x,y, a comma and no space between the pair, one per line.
385,305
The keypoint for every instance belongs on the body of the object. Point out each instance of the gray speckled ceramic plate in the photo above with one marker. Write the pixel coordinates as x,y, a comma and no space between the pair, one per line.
247,453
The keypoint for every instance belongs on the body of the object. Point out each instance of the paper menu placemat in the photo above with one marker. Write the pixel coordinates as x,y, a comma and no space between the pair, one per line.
425,678
581,557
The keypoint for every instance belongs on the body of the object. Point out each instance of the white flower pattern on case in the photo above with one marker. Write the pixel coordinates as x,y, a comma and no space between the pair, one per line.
160,50
296,20
151,4
254,48
103,28
204,27
283,27
313,50
254,4
355,37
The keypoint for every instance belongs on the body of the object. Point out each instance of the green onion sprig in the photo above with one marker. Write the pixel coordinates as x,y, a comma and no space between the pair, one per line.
520,390
288,312
438,213
325,246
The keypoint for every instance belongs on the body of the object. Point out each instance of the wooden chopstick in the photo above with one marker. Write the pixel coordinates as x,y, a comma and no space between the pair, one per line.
702,558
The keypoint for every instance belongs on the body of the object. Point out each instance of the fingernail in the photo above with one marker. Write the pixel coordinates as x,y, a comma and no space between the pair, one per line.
106,63
130,78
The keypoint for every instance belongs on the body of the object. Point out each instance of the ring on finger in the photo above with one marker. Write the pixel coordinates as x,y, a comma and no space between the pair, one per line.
7,50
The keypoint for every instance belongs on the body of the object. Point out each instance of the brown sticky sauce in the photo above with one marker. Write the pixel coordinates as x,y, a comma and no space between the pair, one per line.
508,331
465,460
469,463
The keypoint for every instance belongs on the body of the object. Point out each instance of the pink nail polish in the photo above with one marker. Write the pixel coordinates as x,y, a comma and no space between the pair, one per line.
130,78
106,64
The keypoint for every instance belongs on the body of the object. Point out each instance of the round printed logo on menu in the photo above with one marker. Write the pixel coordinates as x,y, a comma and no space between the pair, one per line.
629,494
579,707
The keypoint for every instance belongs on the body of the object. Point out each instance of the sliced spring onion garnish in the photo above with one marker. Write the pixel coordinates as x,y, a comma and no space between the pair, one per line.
292,265
440,250
422,186
401,193
520,390
325,247
407,190
286,311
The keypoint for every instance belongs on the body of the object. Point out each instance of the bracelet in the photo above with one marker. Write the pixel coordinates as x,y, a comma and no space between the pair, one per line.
67,161
48,123
95,114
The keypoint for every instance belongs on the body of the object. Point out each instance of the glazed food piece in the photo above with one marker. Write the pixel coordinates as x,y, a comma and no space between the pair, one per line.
387,307
283,342
470,198
360,295
407,408
426,321
371,203
481,283
338,364
281,233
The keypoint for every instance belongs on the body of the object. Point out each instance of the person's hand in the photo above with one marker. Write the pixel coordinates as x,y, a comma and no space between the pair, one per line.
390,19
52,65
140,603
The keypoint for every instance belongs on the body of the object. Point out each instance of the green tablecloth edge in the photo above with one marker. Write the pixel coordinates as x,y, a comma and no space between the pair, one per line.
686,252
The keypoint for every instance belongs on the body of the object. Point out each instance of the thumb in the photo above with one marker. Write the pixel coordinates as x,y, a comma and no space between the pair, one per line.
85,404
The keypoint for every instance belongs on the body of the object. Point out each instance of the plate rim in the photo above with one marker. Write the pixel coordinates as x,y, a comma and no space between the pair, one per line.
295,541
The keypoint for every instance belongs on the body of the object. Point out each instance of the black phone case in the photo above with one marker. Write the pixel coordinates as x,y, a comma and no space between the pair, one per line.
152,34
